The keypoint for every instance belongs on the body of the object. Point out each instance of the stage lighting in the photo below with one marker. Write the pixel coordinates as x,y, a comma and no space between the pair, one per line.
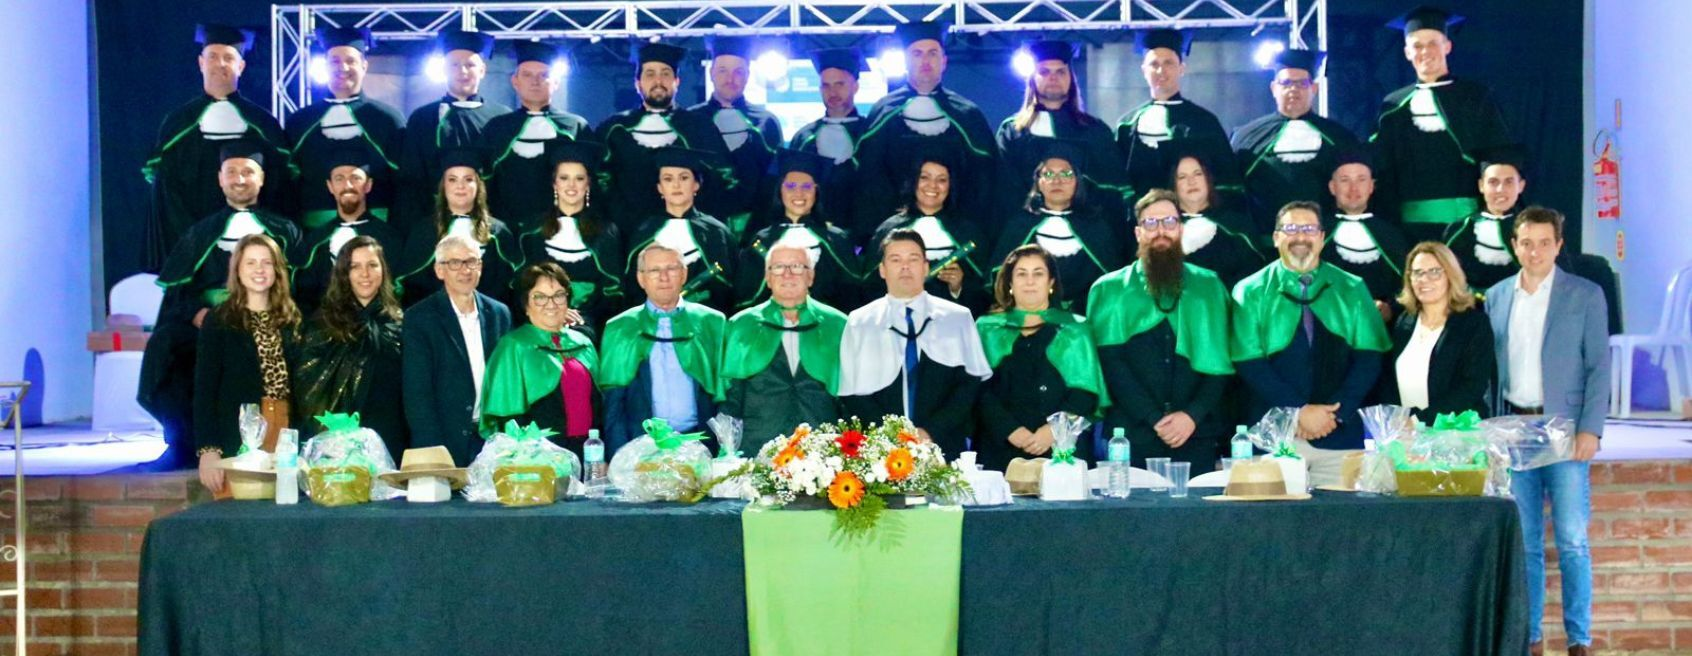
1266,51
319,70
892,62
559,69
770,65
435,69
1023,63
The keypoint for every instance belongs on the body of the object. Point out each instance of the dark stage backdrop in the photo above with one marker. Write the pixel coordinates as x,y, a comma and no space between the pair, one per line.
1528,51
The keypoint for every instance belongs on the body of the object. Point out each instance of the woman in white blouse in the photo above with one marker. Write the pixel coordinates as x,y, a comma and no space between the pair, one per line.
1442,359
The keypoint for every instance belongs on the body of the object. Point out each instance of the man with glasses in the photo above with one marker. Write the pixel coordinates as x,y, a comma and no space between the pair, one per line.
1306,335
662,358
782,362
1287,155
1164,320
446,340
1553,360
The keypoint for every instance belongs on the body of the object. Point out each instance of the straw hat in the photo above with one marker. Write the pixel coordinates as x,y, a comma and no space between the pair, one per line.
1023,475
429,461
1256,481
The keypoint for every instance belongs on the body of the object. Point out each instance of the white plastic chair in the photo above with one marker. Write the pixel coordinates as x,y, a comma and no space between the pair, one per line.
1212,479
1669,347
117,376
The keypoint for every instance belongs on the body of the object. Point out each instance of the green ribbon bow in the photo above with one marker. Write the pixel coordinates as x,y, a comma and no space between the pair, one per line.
529,433
1063,456
531,448
665,437
723,452
1284,449
338,422
1468,421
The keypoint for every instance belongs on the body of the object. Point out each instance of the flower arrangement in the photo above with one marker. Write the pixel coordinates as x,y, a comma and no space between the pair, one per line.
854,468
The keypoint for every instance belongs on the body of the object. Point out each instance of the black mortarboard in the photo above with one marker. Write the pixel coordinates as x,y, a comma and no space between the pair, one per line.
1177,40
357,38
686,158
1308,60
1068,150
242,148
845,59
1062,51
463,156
1511,154
239,38
1358,154
587,153
1426,18
662,53
803,161
926,149
536,51
914,31
718,46
476,42
340,157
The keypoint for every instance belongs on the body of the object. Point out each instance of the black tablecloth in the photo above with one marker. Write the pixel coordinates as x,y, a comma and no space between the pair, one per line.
1337,575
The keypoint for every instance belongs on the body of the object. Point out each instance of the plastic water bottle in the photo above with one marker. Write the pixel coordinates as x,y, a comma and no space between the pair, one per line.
594,453
1118,487
288,480
1239,448
1371,455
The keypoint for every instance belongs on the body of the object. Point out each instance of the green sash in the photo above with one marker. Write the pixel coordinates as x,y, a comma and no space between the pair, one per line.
1268,314
525,367
754,336
1071,351
1121,307
1441,211
696,330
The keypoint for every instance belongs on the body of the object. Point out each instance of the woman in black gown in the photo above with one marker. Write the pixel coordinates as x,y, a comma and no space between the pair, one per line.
350,352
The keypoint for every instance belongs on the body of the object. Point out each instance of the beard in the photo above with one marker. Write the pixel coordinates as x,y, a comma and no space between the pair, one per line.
658,98
349,204
1058,98
1163,263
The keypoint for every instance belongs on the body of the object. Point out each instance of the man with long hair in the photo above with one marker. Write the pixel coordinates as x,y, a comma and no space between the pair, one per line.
1052,109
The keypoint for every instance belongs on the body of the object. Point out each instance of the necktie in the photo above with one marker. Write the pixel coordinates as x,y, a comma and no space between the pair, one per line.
576,386
910,365
1308,318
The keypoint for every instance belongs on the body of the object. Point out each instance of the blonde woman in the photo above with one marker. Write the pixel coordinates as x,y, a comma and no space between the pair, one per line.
1442,354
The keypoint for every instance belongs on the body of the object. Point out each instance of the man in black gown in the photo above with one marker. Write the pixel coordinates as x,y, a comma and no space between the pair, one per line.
1480,241
455,120
835,136
750,133
1287,155
1052,109
351,184
520,173
1147,134
1367,244
346,120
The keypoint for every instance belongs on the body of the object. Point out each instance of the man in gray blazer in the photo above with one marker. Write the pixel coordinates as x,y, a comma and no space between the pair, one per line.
1553,359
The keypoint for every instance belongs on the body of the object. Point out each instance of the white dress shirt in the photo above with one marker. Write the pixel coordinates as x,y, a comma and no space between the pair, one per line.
790,344
471,325
1412,366
1526,342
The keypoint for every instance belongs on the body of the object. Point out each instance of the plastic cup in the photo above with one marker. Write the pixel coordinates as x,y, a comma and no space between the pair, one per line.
1178,473
1159,466
1225,464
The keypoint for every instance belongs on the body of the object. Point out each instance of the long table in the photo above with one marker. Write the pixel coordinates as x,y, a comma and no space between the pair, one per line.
1339,574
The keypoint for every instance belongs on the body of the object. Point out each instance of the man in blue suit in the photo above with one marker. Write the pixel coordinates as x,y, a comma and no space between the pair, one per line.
1553,359
447,338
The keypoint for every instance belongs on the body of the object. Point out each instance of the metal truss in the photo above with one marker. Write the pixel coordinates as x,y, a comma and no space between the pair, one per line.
291,26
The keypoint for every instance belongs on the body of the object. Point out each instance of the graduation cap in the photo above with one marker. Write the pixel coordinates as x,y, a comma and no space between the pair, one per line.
927,149
683,158
718,46
1426,18
242,149
357,38
1177,40
586,153
456,39
1068,150
1510,154
662,53
239,38
340,157
1062,51
469,156
914,31
845,59
536,51
1307,60
1358,154
803,161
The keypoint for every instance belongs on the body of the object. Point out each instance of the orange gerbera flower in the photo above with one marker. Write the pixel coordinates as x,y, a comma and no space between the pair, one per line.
786,456
846,490
900,464
907,438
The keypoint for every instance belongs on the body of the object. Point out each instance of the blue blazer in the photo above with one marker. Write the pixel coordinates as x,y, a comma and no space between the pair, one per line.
1575,361
440,394
627,406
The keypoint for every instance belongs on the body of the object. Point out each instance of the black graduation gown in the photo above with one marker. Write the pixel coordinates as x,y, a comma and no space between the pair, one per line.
501,256
944,403
314,260
596,281
839,190
1500,259
377,131
839,281
1416,165
362,375
184,164
1019,155
1384,273
443,124
976,294
634,175
1104,247
885,158
1148,380
1192,129
1281,165
776,400
750,161
1233,253
520,173
710,276
1024,391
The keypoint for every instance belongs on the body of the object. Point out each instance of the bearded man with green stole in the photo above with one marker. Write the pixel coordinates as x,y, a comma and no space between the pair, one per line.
781,366
1162,329
1307,336
663,358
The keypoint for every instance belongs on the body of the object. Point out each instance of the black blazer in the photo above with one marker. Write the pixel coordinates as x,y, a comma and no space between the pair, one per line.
226,375
1460,370
440,394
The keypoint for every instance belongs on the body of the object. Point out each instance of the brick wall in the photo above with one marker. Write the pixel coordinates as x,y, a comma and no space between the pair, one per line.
86,533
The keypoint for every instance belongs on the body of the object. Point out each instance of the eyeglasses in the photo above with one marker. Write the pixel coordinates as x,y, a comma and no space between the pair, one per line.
1295,84
1293,229
665,271
461,265
1155,223
1427,274
561,299
799,186
788,269
1058,175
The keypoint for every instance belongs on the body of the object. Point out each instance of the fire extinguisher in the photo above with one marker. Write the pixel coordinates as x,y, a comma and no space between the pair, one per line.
1606,176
